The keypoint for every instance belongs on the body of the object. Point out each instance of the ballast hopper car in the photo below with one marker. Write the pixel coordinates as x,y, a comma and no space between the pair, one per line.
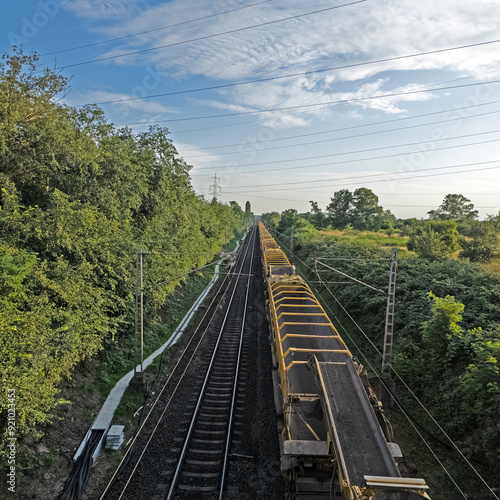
336,442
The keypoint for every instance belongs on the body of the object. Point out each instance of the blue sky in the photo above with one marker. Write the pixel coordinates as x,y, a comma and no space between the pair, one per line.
412,128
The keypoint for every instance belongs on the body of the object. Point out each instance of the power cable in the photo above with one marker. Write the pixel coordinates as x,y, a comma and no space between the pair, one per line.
315,133
286,108
363,177
110,40
358,151
374,181
347,276
298,136
366,134
344,162
228,32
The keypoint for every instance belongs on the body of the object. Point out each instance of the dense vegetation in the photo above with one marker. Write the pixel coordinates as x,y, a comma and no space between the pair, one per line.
447,330
78,198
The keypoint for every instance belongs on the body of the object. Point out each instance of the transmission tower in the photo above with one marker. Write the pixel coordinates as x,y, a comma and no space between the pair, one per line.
215,189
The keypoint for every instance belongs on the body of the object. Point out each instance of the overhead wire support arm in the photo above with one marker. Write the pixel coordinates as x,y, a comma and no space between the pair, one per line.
317,261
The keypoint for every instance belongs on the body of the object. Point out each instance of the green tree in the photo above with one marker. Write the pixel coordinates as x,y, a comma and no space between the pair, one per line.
289,218
480,242
434,240
439,331
456,207
248,214
495,220
339,210
318,218
366,212
271,219
78,198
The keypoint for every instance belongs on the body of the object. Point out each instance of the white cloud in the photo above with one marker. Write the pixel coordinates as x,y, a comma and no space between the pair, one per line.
348,36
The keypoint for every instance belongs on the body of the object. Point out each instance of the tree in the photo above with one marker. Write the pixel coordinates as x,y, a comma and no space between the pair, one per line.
318,218
271,219
428,245
495,220
339,210
480,242
366,212
288,219
248,214
443,327
434,240
455,206
77,198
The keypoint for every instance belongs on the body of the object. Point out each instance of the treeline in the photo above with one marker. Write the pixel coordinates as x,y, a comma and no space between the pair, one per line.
453,227
78,198
447,325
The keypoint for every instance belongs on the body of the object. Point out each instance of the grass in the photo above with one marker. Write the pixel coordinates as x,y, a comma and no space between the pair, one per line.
492,267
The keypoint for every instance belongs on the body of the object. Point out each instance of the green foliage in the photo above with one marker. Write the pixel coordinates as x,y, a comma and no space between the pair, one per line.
271,219
480,242
289,218
318,218
434,240
359,209
339,209
456,207
78,198
443,328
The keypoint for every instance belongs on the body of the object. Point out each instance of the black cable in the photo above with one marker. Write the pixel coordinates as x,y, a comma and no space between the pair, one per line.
153,30
228,32
317,133
330,155
416,422
302,106
370,182
376,132
75,484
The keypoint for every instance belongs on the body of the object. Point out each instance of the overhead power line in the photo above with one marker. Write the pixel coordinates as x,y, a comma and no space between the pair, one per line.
303,73
357,151
364,125
228,32
344,162
368,182
237,124
304,106
362,177
352,136
117,39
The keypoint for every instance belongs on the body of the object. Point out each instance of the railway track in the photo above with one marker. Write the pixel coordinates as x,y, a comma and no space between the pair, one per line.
183,449
204,458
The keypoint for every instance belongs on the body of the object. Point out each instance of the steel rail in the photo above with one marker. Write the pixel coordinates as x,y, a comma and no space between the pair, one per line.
171,376
205,381
236,379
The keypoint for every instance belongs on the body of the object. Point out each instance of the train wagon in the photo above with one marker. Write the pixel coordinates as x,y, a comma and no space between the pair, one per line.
336,441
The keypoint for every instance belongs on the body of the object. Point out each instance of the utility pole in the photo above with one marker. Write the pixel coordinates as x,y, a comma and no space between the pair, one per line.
389,316
291,240
139,315
215,188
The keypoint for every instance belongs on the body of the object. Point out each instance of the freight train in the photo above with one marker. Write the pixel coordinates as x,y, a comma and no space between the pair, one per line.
335,441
